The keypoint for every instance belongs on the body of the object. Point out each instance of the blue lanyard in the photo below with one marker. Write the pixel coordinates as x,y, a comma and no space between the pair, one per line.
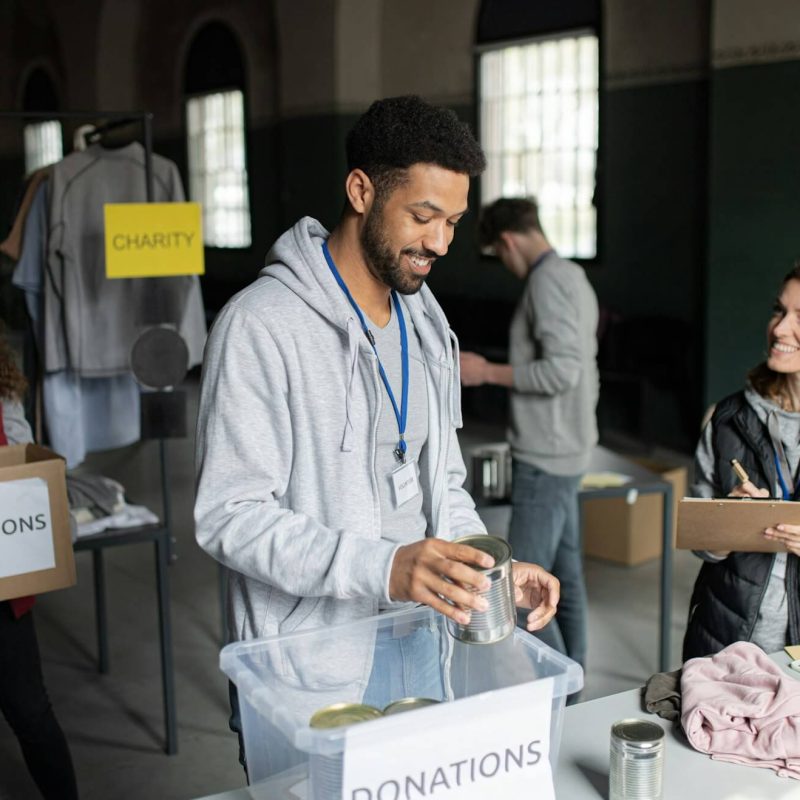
401,414
787,495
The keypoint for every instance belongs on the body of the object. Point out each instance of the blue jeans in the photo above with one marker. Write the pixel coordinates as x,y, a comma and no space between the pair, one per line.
545,530
406,667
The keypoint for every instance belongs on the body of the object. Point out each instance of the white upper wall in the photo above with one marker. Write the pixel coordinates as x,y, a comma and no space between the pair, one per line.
748,32
652,41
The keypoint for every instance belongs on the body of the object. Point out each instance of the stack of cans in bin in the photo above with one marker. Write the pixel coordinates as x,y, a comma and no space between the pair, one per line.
325,772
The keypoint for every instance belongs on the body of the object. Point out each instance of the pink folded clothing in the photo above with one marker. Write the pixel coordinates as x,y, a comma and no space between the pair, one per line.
739,706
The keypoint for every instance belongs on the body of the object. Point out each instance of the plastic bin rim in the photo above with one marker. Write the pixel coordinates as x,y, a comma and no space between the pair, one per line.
229,655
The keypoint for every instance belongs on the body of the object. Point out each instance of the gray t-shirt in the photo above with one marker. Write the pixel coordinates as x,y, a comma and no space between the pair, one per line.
406,523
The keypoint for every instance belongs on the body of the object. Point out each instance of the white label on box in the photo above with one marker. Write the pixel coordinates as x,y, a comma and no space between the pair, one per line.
495,744
26,530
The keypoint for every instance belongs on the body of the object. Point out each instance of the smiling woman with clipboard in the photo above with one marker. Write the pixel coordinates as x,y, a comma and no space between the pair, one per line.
743,595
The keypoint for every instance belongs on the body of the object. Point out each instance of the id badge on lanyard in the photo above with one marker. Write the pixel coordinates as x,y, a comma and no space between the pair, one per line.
405,482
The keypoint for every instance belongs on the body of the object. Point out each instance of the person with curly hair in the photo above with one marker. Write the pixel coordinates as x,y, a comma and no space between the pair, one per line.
330,480
23,697
744,596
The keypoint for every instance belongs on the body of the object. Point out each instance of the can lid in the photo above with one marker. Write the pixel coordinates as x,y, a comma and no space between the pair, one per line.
638,732
499,549
340,714
408,704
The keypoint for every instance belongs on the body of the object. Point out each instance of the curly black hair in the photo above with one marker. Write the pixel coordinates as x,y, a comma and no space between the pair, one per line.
398,132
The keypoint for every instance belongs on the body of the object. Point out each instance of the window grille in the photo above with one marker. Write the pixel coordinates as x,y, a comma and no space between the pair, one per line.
539,129
43,144
217,167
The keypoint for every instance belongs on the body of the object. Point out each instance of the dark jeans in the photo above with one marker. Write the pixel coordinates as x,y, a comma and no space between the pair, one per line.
24,703
545,530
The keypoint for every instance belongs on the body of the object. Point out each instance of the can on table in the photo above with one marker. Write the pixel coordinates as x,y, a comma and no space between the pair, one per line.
325,772
408,704
499,620
637,760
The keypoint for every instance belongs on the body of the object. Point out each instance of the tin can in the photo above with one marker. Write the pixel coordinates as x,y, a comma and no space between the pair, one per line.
498,621
325,772
637,760
408,704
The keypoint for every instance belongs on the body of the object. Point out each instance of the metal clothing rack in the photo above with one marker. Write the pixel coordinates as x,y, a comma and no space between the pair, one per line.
115,119
160,534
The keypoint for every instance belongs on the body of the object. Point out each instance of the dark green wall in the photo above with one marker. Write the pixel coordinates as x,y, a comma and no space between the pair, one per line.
653,199
754,212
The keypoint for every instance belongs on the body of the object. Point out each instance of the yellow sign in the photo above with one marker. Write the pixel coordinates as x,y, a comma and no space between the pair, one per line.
153,240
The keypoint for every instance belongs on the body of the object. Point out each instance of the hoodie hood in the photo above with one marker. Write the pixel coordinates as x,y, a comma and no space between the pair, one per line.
297,261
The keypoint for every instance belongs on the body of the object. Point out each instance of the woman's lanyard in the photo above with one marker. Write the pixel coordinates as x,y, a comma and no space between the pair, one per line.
401,414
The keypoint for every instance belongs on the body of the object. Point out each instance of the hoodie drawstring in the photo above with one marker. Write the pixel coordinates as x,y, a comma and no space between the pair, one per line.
353,332
456,393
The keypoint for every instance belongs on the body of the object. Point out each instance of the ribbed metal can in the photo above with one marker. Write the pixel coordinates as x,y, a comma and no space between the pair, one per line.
408,704
637,760
498,621
325,772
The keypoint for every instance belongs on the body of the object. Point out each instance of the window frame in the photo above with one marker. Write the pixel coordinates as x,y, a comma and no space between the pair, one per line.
187,96
479,50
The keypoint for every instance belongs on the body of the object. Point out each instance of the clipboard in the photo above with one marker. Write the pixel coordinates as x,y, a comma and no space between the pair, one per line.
733,523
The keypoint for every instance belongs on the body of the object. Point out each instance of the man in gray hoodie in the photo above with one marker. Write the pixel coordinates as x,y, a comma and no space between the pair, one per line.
554,384
329,475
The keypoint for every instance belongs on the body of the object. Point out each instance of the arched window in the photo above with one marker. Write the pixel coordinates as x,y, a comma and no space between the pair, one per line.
215,123
538,88
43,139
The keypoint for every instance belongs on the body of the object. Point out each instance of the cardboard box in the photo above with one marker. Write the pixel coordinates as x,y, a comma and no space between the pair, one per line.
631,533
35,540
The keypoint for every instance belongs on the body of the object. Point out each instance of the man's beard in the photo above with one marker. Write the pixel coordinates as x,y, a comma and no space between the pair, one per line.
384,265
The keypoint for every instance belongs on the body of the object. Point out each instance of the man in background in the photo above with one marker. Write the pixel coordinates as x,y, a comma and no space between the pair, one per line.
553,379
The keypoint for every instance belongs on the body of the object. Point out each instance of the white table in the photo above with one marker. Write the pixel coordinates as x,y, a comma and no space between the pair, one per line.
583,761
582,772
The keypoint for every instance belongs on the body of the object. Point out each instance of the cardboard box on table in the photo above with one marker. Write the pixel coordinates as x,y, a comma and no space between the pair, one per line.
35,540
631,532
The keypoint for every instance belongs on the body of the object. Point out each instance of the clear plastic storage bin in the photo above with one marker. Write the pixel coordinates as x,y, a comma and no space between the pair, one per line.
283,680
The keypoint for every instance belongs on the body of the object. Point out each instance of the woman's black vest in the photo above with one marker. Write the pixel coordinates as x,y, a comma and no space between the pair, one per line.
728,594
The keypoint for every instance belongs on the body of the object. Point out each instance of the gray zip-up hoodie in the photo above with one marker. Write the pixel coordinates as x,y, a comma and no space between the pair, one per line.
287,495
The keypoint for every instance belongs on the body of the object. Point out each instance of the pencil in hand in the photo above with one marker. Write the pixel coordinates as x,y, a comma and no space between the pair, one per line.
741,474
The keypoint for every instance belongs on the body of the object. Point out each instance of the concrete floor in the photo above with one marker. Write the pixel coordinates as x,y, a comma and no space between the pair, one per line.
114,722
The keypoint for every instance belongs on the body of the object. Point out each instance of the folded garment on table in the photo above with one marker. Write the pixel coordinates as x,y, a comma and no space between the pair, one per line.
662,694
97,503
739,706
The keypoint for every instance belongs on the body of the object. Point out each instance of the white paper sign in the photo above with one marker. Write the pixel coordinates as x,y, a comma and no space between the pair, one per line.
491,745
26,531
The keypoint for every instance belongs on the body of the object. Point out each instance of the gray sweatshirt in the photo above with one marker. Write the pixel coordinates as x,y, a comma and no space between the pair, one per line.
287,488
553,350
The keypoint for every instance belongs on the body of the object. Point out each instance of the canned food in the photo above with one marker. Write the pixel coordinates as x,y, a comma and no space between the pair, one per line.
408,704
339,714
498,621
637,760
325,772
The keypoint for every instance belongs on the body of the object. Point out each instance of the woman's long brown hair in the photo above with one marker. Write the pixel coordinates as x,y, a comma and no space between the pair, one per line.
768,383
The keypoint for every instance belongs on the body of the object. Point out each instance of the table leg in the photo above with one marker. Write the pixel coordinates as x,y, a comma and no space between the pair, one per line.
165,641
100,615
666,584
